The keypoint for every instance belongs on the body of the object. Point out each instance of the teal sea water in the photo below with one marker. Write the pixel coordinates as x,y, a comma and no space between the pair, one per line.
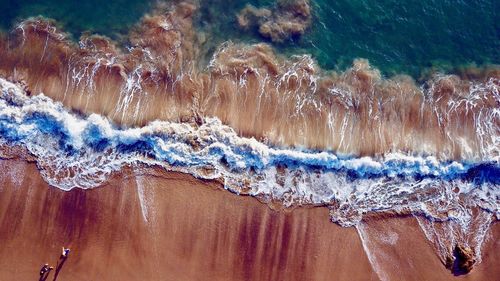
111,18
396,36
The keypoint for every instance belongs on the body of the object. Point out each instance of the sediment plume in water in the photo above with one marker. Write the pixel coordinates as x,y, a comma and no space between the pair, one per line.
285,101
280,129
288,19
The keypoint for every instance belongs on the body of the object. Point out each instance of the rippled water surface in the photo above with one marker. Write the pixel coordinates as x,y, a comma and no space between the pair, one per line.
396,38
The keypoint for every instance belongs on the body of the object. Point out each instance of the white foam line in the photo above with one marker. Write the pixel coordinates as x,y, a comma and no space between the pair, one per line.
142,199
246,165
374,262
482,233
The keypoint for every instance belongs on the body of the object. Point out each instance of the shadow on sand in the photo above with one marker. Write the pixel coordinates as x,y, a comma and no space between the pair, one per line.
44,277
59,266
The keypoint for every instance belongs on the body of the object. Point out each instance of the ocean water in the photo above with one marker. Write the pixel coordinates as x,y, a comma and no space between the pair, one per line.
111,18
397,38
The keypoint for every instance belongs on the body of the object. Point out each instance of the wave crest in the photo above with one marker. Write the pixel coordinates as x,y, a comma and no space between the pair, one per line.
76,151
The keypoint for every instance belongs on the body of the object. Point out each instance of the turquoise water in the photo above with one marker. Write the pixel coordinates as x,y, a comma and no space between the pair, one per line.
407,37
111,18
396,36
410,36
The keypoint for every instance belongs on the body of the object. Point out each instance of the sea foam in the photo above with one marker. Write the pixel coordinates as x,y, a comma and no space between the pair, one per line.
74,151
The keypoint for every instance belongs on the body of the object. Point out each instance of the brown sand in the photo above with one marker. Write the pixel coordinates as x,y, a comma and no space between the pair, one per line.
186,229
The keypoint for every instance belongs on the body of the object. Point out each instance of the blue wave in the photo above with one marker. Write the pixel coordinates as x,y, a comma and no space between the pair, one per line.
75,151
235,153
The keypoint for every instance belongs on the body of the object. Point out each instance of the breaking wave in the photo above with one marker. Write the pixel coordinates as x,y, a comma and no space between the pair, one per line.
74,151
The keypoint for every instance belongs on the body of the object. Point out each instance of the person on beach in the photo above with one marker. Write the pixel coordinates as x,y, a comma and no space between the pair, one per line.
45,269
65,253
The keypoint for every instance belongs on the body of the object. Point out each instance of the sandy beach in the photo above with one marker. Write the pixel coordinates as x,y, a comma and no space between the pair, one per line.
171,226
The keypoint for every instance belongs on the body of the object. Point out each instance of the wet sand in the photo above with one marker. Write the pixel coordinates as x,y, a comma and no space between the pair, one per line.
174,227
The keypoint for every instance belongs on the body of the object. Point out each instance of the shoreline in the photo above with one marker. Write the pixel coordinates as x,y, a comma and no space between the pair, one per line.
174,227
